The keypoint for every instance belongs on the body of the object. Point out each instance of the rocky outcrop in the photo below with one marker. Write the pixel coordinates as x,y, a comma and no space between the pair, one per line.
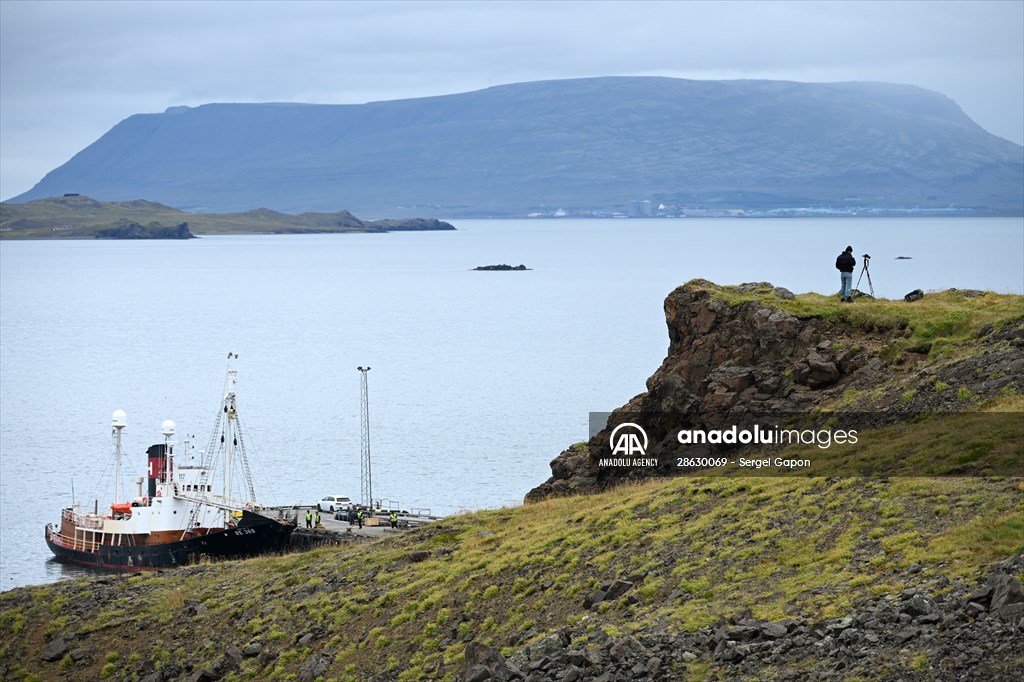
409,225
504,267
129,230
724,364
954,634
736,363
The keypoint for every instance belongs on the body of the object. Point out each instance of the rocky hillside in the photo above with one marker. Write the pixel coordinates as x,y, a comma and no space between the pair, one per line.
688,578
590,143
758,354
727,577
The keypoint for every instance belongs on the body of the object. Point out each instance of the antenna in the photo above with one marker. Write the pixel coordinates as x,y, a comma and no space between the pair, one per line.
366,477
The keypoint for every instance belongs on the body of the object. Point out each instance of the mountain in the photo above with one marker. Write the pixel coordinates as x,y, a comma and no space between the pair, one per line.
595,143
81,217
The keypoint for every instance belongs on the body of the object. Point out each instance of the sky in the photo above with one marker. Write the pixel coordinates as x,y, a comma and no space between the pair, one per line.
70,71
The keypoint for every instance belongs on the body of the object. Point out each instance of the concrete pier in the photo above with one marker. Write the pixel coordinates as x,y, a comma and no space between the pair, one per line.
333,531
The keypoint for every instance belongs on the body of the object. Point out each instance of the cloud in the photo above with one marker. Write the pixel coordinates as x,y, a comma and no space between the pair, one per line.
71,70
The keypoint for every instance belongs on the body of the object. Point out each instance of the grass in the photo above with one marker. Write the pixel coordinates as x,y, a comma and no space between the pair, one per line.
951,316
782,547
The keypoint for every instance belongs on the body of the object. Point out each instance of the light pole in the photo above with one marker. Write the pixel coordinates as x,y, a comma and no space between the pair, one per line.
366,476
119,421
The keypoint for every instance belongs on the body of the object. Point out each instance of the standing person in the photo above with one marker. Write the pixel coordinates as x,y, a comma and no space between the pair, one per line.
309,518
359,518
845,264
317,524
351,517
394,520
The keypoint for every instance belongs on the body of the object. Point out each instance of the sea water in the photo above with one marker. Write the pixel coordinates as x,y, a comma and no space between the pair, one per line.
477,380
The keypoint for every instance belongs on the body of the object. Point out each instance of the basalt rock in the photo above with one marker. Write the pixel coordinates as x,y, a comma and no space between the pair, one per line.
949,640
314,667
724,364
55,650
130,230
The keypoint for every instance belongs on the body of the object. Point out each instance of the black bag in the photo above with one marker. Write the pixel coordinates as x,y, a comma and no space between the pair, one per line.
915,295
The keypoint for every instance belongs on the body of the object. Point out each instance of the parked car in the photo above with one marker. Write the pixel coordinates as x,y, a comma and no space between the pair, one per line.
334,503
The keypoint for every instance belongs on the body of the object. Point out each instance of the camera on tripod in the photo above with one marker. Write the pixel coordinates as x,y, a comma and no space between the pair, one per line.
865,271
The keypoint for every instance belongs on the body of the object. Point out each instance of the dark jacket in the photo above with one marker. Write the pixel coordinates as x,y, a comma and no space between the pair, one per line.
846,262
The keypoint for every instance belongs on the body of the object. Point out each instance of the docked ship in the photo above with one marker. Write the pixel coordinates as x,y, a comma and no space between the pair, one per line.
180,518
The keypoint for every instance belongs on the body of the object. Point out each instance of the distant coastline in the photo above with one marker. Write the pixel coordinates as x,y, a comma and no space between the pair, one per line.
74,216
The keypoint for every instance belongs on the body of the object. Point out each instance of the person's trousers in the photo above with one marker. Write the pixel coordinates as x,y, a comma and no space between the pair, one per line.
845,285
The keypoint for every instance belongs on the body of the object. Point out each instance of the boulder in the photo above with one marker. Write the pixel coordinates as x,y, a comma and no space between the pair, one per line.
1007,597
314,667
617,588
234,655
482,662
918,605
55,650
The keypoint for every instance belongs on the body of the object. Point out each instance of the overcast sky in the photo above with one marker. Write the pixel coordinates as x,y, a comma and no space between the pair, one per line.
69,71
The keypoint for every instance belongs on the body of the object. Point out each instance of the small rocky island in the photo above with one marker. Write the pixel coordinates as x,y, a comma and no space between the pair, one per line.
502,268
154,230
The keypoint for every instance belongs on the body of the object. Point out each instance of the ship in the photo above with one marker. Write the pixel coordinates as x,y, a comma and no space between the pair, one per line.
181,518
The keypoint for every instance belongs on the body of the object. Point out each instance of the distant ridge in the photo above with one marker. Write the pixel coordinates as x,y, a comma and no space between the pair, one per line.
595,143
80,217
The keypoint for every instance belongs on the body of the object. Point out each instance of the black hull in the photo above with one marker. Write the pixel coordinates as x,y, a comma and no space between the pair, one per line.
255,535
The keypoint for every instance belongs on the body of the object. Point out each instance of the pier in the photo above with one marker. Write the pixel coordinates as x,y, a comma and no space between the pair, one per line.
334,527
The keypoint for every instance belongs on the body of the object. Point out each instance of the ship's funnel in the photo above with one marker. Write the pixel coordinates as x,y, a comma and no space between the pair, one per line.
157,466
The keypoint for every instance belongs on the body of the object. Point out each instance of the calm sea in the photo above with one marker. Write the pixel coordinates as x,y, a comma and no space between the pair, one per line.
478,379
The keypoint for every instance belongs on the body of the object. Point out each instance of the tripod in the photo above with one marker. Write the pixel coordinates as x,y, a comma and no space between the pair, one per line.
865,271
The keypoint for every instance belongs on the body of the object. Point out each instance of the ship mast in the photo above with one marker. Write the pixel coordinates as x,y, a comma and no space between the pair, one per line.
167,428
227,441
230,428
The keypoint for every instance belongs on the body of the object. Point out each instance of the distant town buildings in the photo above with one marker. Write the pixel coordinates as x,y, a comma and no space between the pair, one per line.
641,209
645,208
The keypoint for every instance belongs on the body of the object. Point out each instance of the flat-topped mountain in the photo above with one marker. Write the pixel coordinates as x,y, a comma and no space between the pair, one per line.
598,143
